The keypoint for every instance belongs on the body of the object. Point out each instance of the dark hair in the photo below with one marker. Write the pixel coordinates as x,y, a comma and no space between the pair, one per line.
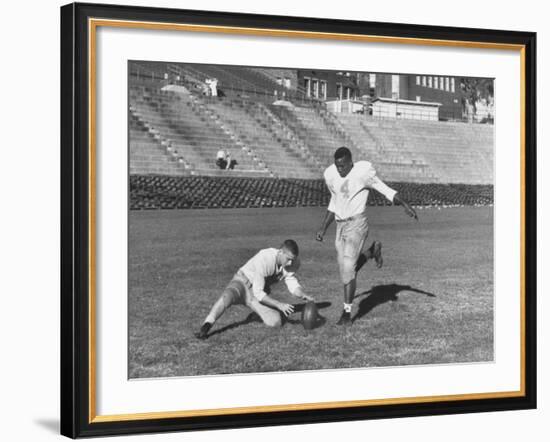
342,152
291,246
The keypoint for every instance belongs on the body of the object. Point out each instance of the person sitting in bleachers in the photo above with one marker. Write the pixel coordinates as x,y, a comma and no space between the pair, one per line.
224,160
221,160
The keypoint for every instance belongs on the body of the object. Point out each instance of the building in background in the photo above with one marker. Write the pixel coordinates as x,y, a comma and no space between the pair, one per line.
358,92
429,90
328,85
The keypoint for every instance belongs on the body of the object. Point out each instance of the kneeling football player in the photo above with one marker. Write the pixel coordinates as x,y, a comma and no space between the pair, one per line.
250,283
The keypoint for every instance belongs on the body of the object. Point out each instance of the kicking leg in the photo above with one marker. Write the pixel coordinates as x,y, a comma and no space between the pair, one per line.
373,252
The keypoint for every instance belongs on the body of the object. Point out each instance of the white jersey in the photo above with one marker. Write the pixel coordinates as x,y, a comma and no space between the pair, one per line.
348,195
262,271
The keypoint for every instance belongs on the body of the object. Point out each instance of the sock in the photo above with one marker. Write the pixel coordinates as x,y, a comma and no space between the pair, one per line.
347,307
212,316
206,327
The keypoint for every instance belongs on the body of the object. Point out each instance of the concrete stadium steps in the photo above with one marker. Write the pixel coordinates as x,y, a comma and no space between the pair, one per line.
391,163
454,152
148,156
311,129
203,127
162,192
299,142
191,134
251,123
239,77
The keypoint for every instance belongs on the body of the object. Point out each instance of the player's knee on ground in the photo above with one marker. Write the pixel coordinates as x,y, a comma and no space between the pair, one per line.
347,270
273,321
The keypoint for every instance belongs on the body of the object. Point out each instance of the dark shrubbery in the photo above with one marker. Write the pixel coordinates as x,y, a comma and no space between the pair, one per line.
163,192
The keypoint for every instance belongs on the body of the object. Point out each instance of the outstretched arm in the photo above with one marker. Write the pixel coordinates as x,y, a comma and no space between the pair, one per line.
299,293
292,283
408,209
377,184
327,221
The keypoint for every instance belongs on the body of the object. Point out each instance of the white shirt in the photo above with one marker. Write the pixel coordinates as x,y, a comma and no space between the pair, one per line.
349,194
262,271
220,154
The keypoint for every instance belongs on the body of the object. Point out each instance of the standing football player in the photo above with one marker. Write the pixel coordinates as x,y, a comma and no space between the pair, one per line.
252,282
349,185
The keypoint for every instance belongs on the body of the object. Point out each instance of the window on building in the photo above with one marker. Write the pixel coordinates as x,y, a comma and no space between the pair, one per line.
339,90
307,87
436,82
287,83
447,85
452,85
348,93
441,83
372,81
430,81
323,90
395,85
315,87
279,80
418,98
418,80
423,80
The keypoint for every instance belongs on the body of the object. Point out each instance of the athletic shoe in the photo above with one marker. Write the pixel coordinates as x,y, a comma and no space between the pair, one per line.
377,253
345,319
203,332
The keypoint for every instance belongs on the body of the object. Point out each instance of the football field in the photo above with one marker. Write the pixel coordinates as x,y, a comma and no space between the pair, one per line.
431,303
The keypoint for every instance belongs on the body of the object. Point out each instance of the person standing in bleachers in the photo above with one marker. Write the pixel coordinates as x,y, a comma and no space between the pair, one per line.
214,87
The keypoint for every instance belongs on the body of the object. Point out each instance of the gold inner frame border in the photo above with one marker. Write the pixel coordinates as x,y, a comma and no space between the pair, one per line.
93,24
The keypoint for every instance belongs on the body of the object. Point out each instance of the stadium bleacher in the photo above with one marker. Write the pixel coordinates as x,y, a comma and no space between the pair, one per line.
253,124
282,150
149,155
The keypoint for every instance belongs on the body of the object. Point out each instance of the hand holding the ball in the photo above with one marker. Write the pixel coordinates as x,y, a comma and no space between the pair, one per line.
287,309
299,293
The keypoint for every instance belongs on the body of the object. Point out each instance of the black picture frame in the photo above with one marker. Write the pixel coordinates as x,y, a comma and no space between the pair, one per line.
77,251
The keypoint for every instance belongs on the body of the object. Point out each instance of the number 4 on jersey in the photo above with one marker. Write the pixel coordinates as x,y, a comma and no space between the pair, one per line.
344,189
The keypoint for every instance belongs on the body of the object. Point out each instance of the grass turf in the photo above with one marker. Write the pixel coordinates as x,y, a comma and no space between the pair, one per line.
431,303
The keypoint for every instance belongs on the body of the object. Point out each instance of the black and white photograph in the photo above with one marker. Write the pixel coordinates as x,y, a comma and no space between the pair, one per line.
293,219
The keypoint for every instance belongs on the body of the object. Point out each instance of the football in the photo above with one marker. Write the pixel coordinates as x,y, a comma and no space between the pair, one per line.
309,315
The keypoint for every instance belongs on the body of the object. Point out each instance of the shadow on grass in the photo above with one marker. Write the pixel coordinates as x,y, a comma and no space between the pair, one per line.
253,317
381,294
